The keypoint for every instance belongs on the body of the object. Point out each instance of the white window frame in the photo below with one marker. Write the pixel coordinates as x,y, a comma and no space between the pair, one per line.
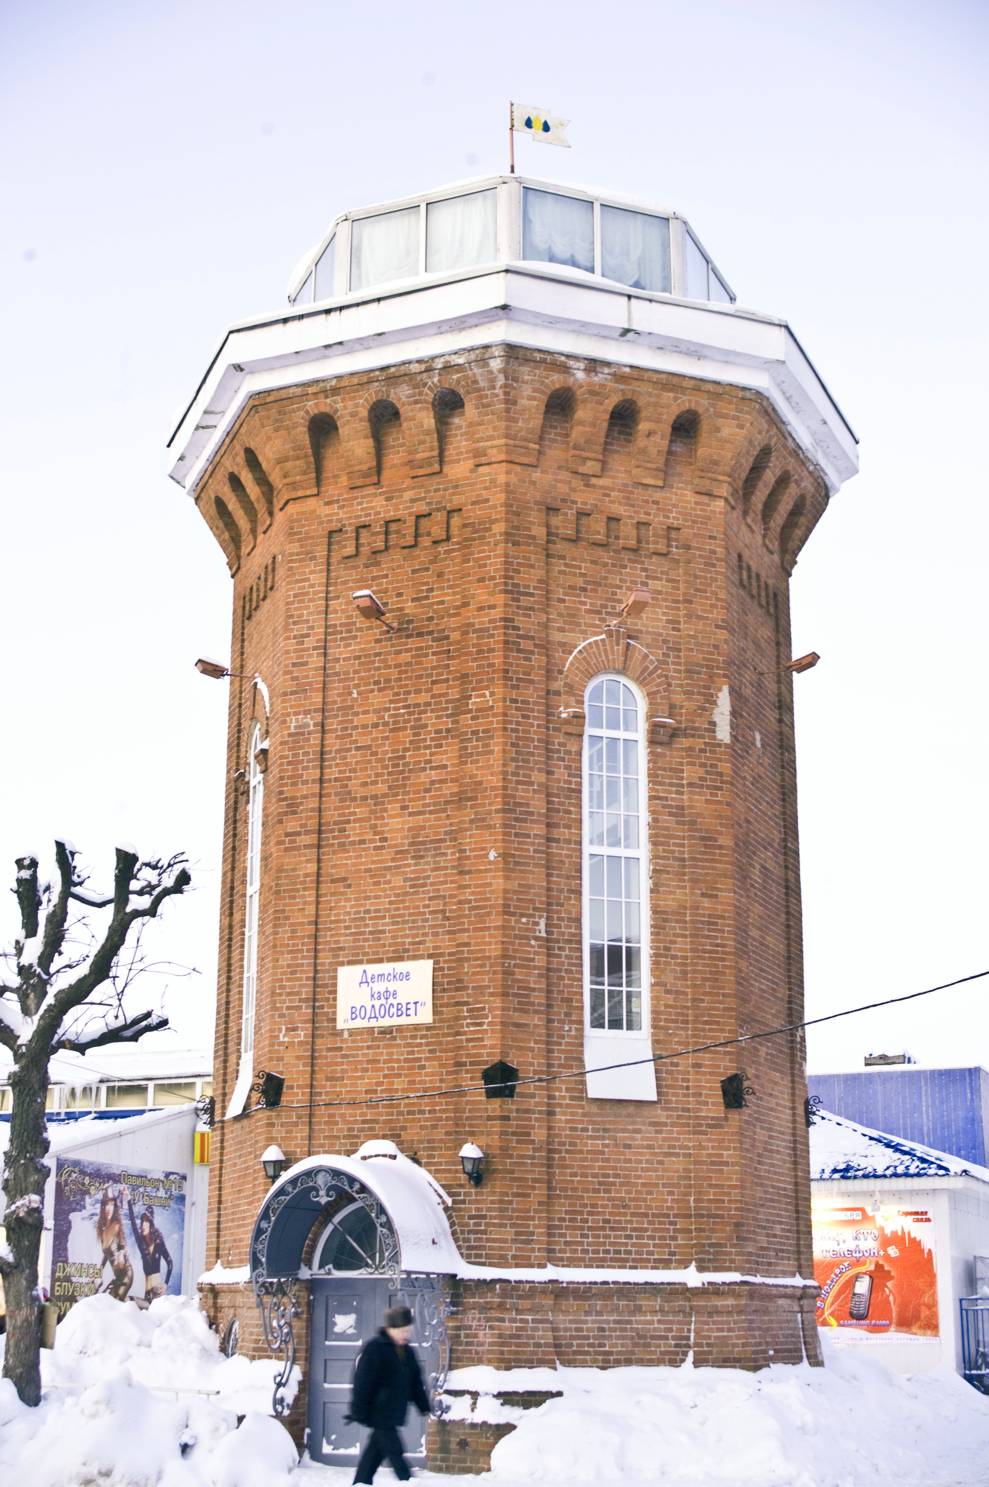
604,1046
252,906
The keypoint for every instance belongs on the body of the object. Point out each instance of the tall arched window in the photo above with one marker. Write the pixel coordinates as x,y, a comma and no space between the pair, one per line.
252,898
255,808
614,841
616,886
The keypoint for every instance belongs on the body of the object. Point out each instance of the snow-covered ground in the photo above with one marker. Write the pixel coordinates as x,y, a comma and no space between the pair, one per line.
145,1399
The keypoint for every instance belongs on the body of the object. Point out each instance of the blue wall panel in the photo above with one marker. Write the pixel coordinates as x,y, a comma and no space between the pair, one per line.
944,1108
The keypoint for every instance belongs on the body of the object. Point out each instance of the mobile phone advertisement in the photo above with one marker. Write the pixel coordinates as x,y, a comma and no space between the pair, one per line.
875,1266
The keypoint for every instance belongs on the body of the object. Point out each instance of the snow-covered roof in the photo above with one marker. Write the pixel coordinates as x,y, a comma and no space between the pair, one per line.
842,1148
65,1135
123,1063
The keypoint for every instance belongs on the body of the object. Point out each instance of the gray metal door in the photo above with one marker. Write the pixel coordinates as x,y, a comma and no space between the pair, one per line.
345,1314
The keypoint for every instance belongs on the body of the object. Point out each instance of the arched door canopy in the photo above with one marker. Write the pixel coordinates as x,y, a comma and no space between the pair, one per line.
405,1205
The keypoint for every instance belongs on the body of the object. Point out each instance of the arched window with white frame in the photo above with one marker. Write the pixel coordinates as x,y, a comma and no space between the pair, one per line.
616,889
252,894
252,902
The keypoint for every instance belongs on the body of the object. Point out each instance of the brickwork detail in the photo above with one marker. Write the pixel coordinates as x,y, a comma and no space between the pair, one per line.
258,591
601,530
757,587
391,532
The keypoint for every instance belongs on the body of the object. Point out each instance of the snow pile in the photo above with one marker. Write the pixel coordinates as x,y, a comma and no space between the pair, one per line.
144,1399
851,1424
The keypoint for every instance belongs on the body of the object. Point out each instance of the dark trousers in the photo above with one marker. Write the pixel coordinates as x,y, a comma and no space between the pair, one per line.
383,1444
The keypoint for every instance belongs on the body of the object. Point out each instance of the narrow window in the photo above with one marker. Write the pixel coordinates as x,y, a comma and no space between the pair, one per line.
255,805
615,878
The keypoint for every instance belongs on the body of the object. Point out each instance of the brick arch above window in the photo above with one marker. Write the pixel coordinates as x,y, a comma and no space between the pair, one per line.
614,651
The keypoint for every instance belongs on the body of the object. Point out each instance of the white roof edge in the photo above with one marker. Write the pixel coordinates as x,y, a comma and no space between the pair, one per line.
531,305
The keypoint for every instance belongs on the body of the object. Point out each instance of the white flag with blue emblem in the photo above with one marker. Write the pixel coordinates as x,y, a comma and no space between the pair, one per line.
537,124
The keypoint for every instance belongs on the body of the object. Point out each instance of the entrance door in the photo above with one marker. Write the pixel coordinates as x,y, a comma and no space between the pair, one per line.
345,1313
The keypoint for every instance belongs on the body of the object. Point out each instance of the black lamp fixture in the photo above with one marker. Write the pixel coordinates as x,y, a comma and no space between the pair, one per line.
472,1161
274,1162
500,1080
734,1091
269,1087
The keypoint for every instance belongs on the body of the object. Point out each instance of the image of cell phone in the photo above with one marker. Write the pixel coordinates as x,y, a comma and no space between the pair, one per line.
861,1297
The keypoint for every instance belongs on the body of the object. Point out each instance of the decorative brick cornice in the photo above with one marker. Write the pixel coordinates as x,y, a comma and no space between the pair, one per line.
414,529
601,530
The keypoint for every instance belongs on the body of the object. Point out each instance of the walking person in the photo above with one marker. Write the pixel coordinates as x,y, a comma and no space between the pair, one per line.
387,1380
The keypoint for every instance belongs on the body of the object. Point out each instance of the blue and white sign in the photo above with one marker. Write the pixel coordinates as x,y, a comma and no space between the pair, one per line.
389,995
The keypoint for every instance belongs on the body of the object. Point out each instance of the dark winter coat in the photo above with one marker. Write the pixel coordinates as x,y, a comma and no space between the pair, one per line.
152,1248
387,1380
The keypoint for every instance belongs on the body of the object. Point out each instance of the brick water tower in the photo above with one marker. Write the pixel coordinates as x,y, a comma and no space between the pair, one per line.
510,494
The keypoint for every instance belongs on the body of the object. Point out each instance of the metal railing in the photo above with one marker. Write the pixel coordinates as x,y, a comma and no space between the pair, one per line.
975,1340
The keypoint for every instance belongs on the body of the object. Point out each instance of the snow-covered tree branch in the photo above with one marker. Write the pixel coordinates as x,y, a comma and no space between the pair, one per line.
63,994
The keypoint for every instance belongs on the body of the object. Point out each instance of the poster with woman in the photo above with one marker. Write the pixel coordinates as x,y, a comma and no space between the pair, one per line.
116,1230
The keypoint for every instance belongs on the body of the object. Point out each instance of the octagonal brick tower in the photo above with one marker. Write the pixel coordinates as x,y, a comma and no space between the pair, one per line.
502,408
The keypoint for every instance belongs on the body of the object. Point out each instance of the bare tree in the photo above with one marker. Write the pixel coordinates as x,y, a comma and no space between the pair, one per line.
66,991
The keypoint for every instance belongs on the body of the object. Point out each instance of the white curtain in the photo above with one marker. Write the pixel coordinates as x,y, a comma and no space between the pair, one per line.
384,248
461,232
558,229
635,249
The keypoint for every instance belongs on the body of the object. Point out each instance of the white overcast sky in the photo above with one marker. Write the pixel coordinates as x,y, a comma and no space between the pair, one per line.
165,165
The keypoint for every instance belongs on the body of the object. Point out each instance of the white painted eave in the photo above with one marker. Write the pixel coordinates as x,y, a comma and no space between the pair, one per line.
537,306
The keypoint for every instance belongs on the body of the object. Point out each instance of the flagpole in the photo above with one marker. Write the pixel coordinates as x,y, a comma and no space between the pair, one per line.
511,138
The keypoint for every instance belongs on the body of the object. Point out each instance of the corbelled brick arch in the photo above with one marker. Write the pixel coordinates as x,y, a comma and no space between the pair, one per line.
614,650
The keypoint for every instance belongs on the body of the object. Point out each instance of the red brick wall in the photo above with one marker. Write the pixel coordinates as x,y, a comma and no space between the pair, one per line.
423,801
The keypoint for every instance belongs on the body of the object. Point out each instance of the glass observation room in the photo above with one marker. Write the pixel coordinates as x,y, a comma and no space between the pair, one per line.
508,219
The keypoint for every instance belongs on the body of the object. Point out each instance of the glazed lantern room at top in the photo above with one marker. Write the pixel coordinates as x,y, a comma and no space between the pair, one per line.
506,219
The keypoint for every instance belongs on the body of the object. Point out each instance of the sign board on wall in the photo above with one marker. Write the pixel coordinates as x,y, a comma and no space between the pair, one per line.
876,1270
388,995
118,1230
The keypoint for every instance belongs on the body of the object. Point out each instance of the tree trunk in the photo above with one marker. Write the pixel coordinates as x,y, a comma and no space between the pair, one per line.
24,1176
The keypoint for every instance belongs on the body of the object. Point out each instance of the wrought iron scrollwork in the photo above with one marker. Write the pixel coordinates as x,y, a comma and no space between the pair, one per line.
278,1303
431,1308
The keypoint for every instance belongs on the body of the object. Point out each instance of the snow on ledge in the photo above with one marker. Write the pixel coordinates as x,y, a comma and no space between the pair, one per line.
221,1275
580,1275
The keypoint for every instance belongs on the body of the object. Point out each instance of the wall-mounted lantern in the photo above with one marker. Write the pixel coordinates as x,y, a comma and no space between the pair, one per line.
274,1161
500,1080
735,1090
472,1161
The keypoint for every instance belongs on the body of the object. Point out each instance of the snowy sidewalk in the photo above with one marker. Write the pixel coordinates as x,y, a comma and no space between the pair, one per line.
145,1399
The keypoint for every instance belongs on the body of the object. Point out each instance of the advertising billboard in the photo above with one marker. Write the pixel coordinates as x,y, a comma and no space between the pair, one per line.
876,1269
117,1230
